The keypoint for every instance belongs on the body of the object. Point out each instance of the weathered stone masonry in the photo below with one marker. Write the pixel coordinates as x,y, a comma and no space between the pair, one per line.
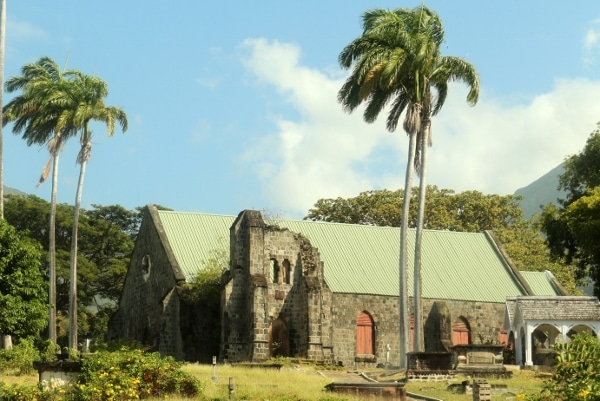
149,305
276,302
262,299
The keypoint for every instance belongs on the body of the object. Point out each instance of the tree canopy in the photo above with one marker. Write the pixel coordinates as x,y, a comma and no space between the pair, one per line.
23,289
107,236
469,211
572,229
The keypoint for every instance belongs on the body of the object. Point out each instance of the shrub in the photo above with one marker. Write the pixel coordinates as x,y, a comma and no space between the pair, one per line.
577,374
132,374
19,359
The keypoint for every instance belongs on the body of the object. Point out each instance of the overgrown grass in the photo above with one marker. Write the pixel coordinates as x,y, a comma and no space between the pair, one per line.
292,382
523,382
304,382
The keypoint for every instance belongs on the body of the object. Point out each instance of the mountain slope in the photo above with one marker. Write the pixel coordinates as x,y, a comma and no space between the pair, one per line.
13,191
542,191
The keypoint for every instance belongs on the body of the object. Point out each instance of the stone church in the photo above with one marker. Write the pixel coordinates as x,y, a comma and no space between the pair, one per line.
316,290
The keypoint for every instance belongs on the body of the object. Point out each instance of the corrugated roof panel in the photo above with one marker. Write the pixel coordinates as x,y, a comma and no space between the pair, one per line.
358,259
363,259
465,260
195,237
540,283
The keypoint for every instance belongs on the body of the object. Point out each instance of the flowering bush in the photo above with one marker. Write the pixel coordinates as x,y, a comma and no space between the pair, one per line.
115,376
132,374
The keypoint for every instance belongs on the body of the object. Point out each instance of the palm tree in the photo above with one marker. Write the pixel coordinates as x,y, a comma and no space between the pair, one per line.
42,113
397,62
92,92
2,48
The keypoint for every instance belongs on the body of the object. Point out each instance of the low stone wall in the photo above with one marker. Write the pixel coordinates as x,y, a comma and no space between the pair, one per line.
430,361
57,374
389,391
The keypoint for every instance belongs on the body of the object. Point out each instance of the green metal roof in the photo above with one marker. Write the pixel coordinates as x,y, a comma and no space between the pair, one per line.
364,259
194,237
541,283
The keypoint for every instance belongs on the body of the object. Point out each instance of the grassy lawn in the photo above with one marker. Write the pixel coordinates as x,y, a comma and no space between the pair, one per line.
305,382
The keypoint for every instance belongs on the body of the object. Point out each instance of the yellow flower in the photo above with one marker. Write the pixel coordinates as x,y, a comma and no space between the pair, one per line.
520,396
584,393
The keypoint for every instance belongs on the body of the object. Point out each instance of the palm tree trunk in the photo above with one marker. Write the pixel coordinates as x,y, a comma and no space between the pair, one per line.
2,47
82,158
52,251
418,283
403,268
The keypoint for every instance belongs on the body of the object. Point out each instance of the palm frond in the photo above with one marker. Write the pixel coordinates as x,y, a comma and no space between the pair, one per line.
45,172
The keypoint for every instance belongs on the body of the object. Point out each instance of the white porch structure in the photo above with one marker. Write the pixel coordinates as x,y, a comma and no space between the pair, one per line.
535,323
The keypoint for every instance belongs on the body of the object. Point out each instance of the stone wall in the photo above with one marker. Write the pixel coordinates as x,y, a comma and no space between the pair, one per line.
485,320
276,277
148,308
383,310
276,301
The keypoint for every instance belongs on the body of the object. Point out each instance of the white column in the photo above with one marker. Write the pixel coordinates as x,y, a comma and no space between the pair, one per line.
528,332
518,347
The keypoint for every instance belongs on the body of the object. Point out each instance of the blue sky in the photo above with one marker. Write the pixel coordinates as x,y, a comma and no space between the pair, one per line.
232,104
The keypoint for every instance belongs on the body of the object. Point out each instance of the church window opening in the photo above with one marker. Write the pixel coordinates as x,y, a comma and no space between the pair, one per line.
146,266
275,273
287,271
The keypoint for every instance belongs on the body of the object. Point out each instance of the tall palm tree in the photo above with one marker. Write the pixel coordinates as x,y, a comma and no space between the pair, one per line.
397,62
2,48
92,91
42,113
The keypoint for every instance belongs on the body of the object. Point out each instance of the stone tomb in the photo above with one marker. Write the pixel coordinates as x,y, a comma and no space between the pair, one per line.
480,360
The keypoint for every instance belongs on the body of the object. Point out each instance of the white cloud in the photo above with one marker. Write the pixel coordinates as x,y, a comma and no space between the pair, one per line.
591,41
24,30
492,147
210,83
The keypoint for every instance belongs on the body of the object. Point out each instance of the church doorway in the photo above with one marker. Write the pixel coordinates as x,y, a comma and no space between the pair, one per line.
365,338
279,339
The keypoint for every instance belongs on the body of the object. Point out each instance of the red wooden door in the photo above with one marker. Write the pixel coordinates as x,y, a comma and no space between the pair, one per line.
364,335
461,334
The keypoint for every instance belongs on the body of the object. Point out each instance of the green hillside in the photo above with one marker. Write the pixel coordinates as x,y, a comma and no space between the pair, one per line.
542,191
12,191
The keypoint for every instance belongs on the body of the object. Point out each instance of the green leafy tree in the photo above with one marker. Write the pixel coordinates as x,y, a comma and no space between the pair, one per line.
107,236
572,228
42,113
23,306
397,61
470,211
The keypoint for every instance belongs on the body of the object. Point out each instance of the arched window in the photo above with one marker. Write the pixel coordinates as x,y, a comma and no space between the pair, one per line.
274,271
287,271
146,267
365,335
461,332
